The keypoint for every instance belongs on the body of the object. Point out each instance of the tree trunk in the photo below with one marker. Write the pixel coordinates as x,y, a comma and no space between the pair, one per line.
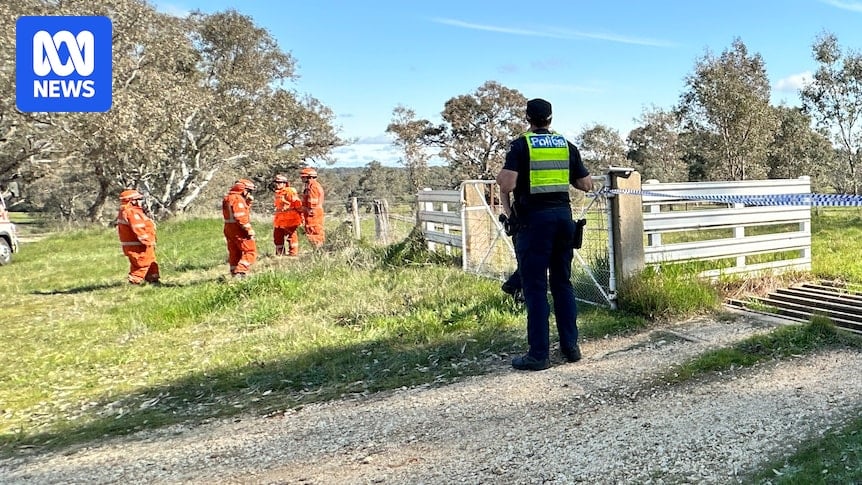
97,208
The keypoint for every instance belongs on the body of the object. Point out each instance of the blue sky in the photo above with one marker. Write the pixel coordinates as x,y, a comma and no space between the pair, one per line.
600,61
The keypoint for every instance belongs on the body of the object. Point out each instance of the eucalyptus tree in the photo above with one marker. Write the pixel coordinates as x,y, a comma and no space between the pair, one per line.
408,133
379,182
834,100
23,139
242,121
193,98
476,130
696,149
727,97
601,146
154,81
654,147
799,150
78,160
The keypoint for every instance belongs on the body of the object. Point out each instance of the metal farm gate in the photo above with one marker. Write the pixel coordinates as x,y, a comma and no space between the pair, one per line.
488,251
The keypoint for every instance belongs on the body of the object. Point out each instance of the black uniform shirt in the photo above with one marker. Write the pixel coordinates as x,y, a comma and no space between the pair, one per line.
518,160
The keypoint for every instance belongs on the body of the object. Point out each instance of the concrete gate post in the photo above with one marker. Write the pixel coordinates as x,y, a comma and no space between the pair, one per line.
627,223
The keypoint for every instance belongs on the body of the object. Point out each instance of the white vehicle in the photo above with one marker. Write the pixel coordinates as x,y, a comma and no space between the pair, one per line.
8,235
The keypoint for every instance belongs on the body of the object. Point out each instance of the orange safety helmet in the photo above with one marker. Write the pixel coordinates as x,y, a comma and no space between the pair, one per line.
308,172
280,179
245,184
130,194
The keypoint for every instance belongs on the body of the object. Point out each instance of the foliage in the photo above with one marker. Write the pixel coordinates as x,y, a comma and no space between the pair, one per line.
414,251
728,97
480,127
195,100
408,133
655,149
601,147
22,138
834,99
798,150
379,182
696,157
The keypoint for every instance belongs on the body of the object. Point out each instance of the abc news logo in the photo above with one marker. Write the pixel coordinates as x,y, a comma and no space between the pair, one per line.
63,64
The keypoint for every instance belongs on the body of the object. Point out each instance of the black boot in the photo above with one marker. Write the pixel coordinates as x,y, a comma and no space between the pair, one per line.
571,355
528,362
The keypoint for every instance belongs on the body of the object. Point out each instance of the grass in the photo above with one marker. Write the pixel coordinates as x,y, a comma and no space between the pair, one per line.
835,241
667,293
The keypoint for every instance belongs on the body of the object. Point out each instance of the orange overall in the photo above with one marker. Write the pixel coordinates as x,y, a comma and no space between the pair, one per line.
288,217
312,204
138,239
241,246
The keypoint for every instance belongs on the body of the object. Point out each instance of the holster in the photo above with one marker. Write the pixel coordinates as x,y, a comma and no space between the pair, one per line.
578,239
510,224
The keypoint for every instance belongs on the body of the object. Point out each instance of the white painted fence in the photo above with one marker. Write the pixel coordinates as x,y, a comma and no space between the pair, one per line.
440,217
677,213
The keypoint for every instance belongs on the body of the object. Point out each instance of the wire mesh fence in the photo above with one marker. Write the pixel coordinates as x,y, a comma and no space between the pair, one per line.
592,270
465,223
488,251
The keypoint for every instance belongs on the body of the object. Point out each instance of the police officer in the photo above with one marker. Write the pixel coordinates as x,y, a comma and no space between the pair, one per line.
539,168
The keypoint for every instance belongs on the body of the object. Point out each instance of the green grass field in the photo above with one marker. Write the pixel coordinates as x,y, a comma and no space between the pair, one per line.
86,355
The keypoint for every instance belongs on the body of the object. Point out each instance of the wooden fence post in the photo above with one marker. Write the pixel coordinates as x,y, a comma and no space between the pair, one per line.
354,207
381,220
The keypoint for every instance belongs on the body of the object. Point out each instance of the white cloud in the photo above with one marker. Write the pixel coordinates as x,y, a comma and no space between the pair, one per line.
378,148
382,139
845,5
172,9
555,33
794,82
367,150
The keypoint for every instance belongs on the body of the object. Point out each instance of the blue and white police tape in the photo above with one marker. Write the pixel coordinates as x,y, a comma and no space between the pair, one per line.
822,200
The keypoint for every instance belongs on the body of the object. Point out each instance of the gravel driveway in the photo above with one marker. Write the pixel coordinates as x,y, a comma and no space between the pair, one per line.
596,421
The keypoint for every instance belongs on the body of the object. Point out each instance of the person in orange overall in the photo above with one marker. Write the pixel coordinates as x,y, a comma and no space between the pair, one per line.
241,246
312,207
137,233
288,217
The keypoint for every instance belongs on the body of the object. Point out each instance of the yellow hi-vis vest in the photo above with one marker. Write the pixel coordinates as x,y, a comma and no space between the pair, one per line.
549,162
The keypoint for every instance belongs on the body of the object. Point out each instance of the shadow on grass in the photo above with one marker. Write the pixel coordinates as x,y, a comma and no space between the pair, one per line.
82,289
270,387
118,284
